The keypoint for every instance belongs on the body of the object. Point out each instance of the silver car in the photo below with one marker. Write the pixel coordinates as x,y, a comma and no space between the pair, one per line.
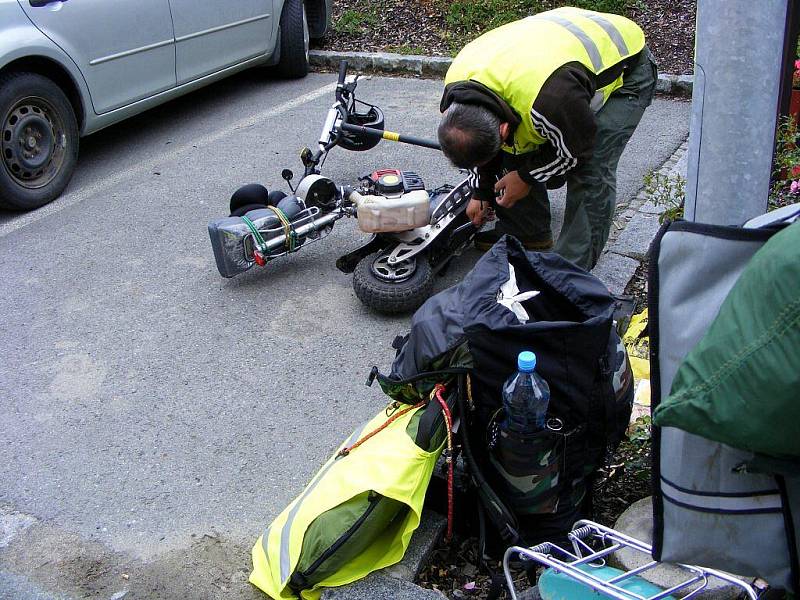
71,67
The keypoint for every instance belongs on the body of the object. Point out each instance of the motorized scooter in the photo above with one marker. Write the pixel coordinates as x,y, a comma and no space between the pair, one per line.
416,231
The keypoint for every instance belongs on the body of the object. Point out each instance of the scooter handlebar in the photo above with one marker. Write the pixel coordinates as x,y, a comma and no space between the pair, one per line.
389,135
342,72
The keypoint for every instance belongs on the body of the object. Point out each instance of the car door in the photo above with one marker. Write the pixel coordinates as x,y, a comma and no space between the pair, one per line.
125,49
211,35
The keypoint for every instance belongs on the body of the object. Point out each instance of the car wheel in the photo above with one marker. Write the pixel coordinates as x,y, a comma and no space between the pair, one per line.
294,40
38,141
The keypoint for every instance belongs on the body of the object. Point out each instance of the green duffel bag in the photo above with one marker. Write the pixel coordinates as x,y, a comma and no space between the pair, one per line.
740,384
358,512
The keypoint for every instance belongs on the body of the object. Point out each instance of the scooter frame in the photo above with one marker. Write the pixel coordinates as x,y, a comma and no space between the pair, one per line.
444,237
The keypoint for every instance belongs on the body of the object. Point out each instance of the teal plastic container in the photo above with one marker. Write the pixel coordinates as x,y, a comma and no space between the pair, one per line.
558,586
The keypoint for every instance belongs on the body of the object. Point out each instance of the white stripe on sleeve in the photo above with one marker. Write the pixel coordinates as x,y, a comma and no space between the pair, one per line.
564,160
473,179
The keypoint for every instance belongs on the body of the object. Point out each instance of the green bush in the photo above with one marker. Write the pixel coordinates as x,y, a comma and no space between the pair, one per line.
667,190
786,168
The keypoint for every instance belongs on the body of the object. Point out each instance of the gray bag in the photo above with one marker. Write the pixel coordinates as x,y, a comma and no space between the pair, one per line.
232,240
711,506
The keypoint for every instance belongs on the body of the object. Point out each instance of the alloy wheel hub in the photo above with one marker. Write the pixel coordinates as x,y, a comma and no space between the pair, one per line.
393,273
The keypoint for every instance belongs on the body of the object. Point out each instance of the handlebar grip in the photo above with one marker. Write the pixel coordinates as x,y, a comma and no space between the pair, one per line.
342,71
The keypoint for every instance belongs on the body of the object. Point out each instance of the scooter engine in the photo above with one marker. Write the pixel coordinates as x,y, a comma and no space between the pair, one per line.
393,182
391,200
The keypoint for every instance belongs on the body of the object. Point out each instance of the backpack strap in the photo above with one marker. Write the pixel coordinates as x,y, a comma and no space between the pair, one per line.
502,518
403,390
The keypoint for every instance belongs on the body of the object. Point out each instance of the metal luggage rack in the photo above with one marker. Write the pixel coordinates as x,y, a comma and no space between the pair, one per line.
308,225
610,541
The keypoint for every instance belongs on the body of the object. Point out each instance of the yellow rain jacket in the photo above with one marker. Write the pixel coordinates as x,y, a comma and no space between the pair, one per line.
389,464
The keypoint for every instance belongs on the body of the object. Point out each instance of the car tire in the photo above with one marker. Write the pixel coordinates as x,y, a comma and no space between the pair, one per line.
38,141
392,297
294,44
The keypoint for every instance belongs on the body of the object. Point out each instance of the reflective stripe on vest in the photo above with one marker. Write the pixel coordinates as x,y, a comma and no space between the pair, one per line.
610,29
516,59
284,553
286,565
588,44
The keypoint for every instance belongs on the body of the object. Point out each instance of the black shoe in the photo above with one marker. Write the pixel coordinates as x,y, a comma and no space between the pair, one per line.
484,240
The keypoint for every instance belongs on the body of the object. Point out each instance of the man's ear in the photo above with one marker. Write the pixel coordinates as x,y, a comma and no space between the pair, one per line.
504,127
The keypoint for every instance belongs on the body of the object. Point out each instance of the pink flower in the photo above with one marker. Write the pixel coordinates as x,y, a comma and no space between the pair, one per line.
797,65
794,188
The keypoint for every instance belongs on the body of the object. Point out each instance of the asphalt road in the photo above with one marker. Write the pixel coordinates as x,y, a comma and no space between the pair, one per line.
154,416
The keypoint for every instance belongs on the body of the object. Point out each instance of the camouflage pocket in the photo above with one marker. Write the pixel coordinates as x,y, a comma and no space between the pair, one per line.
529,468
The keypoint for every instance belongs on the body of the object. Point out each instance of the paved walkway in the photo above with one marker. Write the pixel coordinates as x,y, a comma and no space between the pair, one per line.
156,417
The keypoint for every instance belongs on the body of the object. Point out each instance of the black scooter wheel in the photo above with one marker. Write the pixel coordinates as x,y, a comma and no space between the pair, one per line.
392,289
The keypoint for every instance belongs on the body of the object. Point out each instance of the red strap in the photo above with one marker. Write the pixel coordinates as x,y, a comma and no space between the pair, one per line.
394,417
448,459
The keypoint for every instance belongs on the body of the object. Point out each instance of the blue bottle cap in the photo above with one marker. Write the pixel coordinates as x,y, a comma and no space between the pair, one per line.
526,361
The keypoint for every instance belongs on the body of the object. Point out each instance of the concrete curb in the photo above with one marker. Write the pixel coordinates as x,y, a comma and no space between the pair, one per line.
634,227
435,67
396,582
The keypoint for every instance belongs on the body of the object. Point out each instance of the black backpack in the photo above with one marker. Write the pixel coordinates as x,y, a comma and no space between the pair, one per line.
464,336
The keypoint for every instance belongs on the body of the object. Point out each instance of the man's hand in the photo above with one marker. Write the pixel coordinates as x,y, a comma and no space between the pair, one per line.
478,212
511,188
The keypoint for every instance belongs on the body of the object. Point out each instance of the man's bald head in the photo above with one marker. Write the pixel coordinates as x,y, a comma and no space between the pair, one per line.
469,135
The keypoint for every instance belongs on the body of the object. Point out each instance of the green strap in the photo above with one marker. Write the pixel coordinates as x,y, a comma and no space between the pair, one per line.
291,234
261,245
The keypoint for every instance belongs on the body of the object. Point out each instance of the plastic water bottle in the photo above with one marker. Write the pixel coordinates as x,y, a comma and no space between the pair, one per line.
525,397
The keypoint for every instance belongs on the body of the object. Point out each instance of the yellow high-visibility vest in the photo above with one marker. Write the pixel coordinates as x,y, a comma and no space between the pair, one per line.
516,59
389,463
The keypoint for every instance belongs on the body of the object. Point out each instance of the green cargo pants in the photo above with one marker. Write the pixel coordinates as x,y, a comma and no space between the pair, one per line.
591,186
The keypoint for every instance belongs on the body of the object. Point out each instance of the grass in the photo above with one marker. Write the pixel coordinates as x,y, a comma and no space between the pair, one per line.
467,19
406,49
353,21
464,20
